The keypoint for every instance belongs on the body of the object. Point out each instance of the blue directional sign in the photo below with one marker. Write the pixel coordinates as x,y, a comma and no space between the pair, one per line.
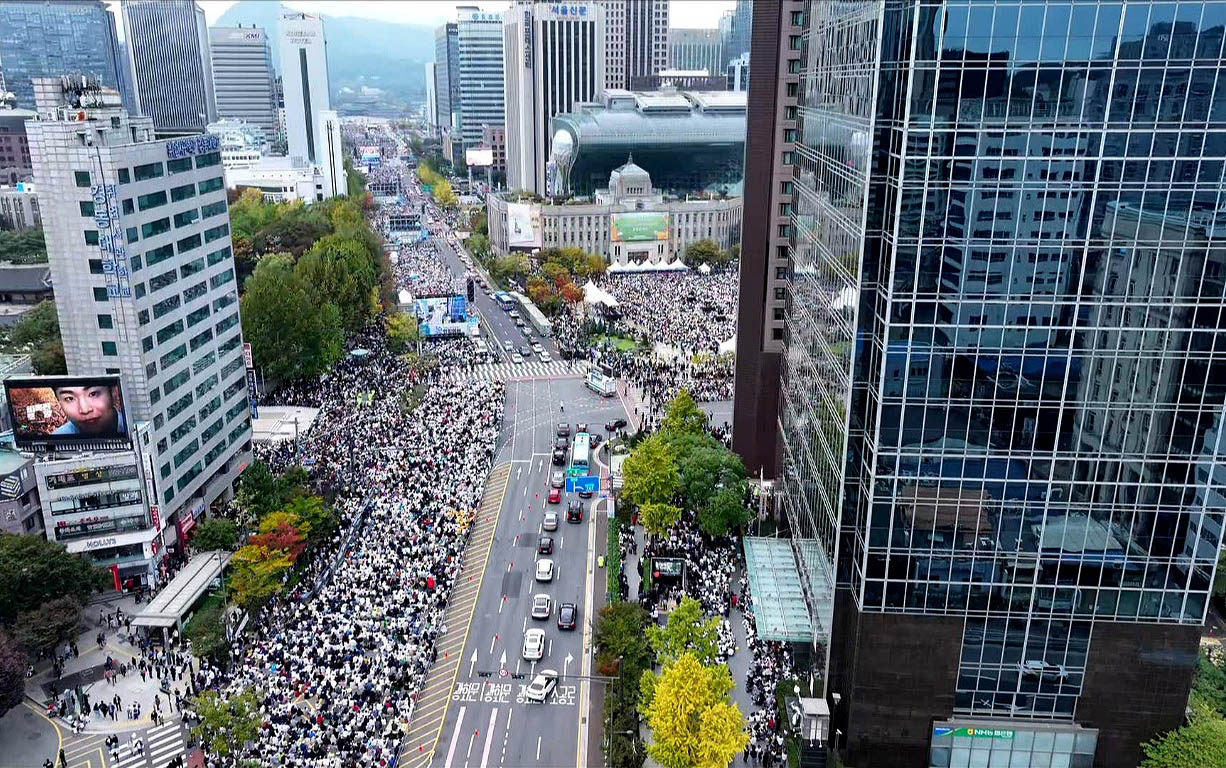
589,484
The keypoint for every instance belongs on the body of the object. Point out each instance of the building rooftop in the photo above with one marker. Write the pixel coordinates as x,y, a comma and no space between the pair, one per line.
659,117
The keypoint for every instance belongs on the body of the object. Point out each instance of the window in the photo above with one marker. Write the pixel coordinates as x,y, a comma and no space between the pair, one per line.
158,255
154,228
227,324
792,90
142,317
208,160
789,113
197,316
229,344
176,381
183,430
219,280
180,165
108,349
95,266
168,304
216,257
204,361
87,208
194,292
127,206
211,185
155,395
202,338
183,192
798,18
210,408
139,292
231,367
188,244
187,452
132,234
82,178
147,344
105,321
192,267
170,331
177,406
216,233
100,293
151,370
206,386
165,470
163,280
91,237
124,176
187,217
211,430
151,200
794,66
173,356
148,171
213,209
789,158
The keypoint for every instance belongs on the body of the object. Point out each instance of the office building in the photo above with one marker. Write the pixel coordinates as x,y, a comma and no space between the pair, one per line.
479,50
19,207
14,146
629,222
735,29
171,69
691,142
494,138
331,153
431,97
304,74
243,77
446,74
695,49
1002,381
71,37
138,242
636,44
19,503
738,73
552,62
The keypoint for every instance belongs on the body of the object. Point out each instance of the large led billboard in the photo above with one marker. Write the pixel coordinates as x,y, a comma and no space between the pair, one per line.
443,316
639,226
479,158
523,225
67,412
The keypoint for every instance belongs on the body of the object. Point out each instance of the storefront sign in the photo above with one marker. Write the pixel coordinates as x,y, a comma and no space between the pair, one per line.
154,512
108,541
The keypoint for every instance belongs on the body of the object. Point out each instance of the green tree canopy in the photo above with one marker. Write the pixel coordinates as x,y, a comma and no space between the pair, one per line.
684,416
226,724
207,629
704,465
707,252
688,631
650,473
318,519
34,571
403,331
41,629
619,633
658,519
28,247
39,326
337,270
49,360
1201,744
694,722
725,512
215,533
291,335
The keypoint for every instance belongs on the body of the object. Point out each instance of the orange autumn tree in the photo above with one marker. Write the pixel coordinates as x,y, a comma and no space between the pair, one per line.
283,531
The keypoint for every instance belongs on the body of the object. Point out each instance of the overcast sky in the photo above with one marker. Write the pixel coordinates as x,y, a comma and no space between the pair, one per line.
682,13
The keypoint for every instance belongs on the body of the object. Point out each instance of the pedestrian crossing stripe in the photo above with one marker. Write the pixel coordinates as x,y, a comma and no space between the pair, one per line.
555,369
162,743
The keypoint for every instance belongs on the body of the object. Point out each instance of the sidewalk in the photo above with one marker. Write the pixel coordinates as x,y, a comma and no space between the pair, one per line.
88,672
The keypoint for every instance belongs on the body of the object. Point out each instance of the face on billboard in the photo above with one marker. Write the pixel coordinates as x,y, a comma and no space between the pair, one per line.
61,410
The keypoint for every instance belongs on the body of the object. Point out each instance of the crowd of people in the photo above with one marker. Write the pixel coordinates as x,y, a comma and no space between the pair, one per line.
772,662
691,312
707,378
421,272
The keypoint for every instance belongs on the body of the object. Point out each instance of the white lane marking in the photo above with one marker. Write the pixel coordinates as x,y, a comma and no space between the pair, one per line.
455,737
489,738
538,748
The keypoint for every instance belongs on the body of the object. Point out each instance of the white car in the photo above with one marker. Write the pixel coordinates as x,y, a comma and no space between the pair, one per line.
541,686
514,314
536,347
542,606
551,521
544,569
517,358
534,644
508,346
545,358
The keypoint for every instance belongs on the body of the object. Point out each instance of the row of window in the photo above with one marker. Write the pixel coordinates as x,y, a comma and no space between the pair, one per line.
154,170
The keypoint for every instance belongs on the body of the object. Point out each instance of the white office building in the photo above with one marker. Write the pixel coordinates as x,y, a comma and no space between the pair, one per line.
304,76
636,40
331,154
243,77
479,42
171,69
431,97
695,49
138,243
553,60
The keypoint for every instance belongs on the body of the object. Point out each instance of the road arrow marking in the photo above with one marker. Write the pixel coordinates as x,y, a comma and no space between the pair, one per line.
502,663
472,663
566,663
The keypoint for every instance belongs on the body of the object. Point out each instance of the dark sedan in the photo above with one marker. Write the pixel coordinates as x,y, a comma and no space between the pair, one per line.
568,616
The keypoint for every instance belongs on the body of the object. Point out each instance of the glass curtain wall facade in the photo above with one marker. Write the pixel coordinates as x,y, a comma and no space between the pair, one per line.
1005,367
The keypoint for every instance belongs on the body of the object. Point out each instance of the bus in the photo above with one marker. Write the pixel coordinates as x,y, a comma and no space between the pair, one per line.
580,451
504,300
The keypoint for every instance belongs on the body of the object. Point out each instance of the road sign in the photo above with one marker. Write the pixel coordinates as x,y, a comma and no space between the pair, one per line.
586,484
575,472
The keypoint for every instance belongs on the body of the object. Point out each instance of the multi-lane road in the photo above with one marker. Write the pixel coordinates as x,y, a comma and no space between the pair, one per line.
484,719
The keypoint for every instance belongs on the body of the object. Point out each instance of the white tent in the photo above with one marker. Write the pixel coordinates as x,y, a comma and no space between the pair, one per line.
677,265
704,268
728,346
616,267
594,294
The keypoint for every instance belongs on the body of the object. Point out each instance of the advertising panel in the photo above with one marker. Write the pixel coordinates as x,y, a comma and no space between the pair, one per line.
479,158
523,225
443,316
67,412
639,226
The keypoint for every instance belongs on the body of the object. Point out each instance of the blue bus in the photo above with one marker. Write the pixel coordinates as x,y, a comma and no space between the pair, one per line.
504,300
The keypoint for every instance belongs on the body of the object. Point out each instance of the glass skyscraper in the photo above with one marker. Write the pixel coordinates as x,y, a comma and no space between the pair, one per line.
71,37
1004,370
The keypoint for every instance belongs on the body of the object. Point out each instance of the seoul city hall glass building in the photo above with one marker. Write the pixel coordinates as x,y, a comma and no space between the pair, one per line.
1004,370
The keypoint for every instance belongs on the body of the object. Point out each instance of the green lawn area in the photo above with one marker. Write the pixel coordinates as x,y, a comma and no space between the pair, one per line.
620,343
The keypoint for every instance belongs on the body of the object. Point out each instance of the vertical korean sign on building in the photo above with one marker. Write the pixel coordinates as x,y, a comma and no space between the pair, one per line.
111,241
252,395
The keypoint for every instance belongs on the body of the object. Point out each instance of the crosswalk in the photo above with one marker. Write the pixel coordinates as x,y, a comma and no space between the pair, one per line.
162,743
556,369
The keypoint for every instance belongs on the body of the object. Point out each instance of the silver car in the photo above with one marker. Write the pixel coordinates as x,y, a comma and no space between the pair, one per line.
551,521
542,606
557,480
541,686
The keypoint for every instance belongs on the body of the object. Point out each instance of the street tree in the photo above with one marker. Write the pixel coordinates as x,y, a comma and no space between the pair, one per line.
620,636
317,519
707,252
1200,744
687,631
403,332
338,271
725,512
215,533
282,531
291,335
684,416
227,723
257,574
704,466
658,519
650,473
40,630
34,571
207,629
12,673
694,722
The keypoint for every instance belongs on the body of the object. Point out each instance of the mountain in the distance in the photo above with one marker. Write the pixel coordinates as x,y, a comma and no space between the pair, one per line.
362,53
